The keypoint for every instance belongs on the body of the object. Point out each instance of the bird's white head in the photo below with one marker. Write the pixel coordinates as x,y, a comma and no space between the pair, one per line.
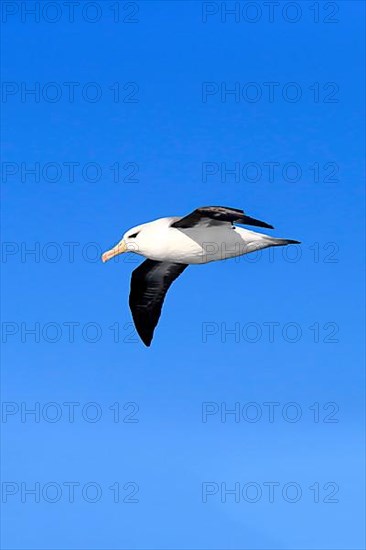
128,243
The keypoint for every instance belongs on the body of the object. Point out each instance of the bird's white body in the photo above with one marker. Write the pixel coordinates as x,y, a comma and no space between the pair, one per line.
158,241
207,234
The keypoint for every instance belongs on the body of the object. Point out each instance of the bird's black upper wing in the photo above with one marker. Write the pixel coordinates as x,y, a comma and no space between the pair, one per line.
217,214
149,285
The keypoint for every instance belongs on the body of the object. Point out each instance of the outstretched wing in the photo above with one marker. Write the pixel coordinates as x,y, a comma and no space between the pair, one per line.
149,284
210,215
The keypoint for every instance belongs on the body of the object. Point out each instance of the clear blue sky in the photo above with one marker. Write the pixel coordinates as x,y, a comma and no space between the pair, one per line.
146,95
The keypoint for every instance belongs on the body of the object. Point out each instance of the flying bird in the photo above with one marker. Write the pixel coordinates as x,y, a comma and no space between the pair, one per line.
171,244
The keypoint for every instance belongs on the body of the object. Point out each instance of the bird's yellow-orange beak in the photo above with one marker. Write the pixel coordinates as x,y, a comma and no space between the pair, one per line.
120,248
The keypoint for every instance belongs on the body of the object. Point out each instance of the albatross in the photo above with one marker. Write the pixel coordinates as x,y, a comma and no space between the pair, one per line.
207,234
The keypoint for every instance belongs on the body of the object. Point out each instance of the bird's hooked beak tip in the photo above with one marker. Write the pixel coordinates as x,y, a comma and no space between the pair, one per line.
120,248
106,256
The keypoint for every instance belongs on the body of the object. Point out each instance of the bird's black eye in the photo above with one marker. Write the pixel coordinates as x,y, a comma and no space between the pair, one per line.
134,235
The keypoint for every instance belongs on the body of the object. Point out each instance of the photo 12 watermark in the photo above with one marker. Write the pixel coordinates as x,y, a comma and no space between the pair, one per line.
269,11
270,332
269,92
69,11
70,492
269,172
58,252
252,492
292,412
68,332
70,92
69,172
70,412
71,252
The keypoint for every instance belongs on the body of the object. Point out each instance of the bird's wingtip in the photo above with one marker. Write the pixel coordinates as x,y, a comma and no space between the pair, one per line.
146,339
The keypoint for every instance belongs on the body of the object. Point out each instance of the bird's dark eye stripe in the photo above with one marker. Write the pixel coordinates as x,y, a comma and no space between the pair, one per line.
134,235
